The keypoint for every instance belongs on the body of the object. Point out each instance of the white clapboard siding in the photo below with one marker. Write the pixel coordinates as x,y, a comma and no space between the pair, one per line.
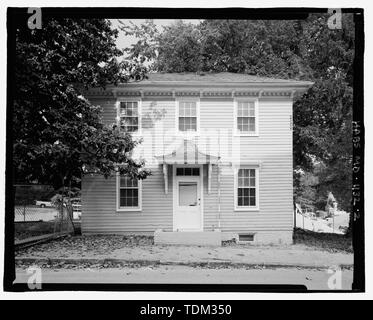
99,206
273,148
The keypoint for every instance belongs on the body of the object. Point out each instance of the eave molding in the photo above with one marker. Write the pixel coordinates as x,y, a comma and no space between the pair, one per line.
287,93
260,93
187,93
160,93
128,93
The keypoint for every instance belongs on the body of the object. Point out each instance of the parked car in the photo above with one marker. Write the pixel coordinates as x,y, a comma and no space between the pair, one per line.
43,203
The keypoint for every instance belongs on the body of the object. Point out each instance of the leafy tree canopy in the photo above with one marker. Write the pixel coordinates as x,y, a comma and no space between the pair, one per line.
58,134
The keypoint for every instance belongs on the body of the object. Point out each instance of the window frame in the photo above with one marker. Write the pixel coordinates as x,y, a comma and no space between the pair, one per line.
238,133
128,209
198,116
246,208
139,105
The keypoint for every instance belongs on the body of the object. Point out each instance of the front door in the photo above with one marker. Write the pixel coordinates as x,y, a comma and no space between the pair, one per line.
187,200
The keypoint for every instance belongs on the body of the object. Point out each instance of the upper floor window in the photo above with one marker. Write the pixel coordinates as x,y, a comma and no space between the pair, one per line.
246,118
129,194
246,185
129,116
188,116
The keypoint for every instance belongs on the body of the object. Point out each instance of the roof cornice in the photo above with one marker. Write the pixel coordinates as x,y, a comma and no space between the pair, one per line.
204,90
206,84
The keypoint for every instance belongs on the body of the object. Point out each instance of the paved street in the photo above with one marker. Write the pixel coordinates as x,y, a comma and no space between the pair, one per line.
311,278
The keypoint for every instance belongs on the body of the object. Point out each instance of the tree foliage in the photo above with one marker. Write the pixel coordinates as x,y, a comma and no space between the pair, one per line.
296,49
58,134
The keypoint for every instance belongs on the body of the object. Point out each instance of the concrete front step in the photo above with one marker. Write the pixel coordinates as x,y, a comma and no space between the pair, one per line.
192,238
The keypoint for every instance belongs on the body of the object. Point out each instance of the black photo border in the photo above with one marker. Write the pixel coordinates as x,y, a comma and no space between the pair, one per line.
20,15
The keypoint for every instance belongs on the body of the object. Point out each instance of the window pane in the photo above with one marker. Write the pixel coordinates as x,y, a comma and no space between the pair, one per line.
195,172
193,124
243,124
251,124
251,109
187,171
129,116
245,173
193,109
252,192
129,202
128,182
123,181
181,124
243,109
252,201
240,192
246,196
240,182
129,197
252,182
187,124
129,192
129,108
181,110
240,173
187,193
240,201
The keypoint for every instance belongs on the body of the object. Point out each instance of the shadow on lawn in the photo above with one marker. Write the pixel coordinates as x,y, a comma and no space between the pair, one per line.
327,241
24,230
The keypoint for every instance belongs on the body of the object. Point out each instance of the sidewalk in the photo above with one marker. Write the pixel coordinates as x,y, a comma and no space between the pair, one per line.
113,252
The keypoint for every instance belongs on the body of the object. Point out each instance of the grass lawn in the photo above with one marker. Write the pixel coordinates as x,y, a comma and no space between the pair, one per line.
326,241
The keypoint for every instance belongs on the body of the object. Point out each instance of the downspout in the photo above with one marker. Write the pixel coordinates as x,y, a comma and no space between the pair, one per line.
219,207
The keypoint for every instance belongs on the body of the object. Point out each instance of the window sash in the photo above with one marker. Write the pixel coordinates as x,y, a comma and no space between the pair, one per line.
129,197
246,117
246,197
246,124
246,188
128,193
187,123
187,116
129,116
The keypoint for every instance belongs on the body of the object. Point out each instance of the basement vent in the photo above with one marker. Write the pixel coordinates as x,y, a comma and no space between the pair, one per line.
245,237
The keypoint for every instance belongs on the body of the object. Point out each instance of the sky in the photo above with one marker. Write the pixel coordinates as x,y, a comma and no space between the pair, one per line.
125,41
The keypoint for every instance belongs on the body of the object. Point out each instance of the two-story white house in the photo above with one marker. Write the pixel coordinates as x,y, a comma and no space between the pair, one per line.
219,146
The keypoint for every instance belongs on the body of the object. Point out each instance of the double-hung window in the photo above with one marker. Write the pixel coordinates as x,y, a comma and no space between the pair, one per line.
188,116
246,185
129,116
129,194
246,118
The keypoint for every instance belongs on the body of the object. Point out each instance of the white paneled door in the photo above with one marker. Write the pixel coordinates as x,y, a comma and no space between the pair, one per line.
187,201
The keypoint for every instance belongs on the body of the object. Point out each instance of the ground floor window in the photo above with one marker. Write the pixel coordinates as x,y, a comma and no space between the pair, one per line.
128,194
246,188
